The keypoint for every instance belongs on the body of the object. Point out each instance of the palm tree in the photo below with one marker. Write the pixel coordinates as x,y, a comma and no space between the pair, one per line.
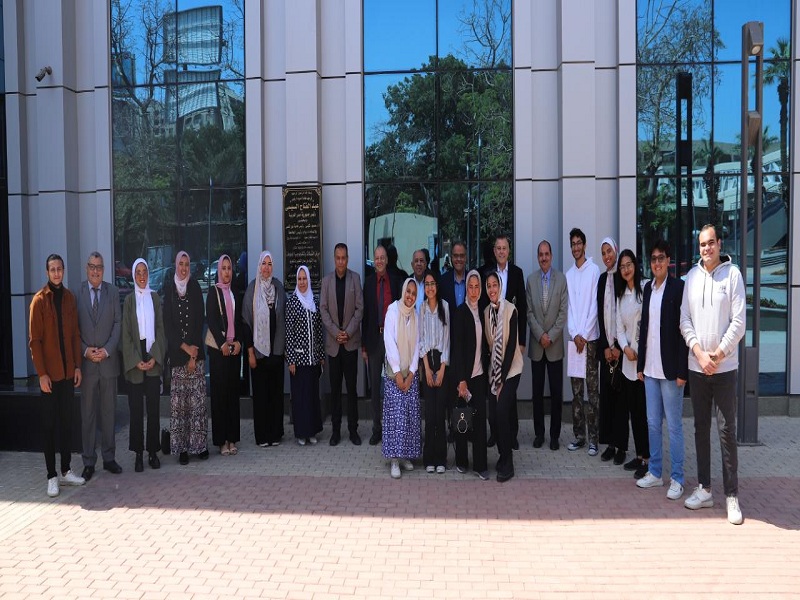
778,71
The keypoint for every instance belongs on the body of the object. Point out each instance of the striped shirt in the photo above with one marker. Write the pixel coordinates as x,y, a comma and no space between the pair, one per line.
433,333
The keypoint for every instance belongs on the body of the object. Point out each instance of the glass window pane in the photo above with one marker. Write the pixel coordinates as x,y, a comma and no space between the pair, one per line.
730,15
674,32
476,33
399,35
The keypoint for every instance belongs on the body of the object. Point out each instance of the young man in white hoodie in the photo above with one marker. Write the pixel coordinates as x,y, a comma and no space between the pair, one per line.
713,323
584,331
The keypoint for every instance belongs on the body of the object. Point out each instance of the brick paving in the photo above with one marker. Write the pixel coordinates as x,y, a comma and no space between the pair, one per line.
321,522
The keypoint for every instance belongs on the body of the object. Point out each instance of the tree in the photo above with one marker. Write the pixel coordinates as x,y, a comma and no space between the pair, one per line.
778,71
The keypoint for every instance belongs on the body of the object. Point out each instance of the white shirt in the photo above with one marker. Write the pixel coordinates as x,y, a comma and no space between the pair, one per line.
582,308
653,367
629,317
503,274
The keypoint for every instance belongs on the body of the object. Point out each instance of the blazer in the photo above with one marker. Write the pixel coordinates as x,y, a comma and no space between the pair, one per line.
132,348
515,293
105,333
279,341
371,335
551,322
353,311
674,352
172,328
43,328
217,316
463,344
447,289
602,342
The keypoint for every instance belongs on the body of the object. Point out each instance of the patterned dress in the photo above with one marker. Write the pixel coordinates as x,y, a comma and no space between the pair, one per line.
304,349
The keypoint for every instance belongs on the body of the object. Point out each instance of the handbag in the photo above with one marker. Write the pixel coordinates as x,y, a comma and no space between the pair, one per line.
211,342
614,375
461,419
435,359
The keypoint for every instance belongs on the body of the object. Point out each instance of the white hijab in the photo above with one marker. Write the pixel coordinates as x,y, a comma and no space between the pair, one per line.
307,298
180,284
145,312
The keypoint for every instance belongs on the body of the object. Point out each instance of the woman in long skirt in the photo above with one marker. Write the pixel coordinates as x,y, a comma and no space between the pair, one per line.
402,441
183,323
305,355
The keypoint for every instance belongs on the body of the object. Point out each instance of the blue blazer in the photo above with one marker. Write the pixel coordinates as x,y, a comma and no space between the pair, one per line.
674,353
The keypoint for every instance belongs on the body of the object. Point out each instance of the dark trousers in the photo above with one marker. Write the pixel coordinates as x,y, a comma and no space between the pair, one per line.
613,408
268,399
57,425
434,452
636,408
719,389
504,431
140,394
492,415
98,404
555,375
477,387
306,414
344,366
375,366
225,405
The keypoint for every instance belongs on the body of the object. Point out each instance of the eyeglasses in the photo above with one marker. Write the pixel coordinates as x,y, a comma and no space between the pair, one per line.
430,284
95,267
576,244
625,266
658,258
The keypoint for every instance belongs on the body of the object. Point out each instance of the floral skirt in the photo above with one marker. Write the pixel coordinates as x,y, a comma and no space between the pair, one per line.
188,422
402,424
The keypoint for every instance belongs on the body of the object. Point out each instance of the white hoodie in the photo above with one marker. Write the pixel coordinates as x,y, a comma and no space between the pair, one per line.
713,312
582,294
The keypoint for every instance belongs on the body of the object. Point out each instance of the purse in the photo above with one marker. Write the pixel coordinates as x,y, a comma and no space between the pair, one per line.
435,359
461,419
211,342
615,375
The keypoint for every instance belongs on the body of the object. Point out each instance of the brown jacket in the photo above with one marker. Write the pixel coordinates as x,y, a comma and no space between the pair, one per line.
44,335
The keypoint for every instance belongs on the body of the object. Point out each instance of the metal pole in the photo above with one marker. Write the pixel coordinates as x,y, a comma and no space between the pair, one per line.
208,248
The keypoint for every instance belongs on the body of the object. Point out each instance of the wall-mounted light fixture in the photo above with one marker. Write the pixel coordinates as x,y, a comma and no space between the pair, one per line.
43,72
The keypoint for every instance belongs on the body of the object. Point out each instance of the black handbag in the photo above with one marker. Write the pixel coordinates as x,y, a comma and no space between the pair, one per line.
461,419
434,359
614,375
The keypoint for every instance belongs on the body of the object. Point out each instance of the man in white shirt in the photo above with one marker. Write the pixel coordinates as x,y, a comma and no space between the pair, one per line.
418,266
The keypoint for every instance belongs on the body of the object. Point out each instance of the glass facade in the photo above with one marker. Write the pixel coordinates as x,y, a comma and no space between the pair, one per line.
438,125
704,39
177,75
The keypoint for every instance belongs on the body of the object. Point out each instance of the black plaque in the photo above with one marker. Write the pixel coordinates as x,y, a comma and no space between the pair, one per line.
302,234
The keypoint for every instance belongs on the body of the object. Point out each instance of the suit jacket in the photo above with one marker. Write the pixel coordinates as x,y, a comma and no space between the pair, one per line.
552,321
674,352
43,330
447,288
105,333
172,328
515,293
371,336
353,311
602,341
132,349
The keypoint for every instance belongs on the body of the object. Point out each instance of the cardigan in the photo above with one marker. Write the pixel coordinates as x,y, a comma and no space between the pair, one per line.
132,348
172,322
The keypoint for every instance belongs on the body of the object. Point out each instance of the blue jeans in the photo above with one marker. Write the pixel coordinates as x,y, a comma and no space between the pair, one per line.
665,399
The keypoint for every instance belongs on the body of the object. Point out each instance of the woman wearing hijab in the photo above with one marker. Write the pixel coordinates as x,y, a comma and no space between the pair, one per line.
467,360
401,416
434,351
263,313
505,366
224,341
143,349
305,355
613,417
183,323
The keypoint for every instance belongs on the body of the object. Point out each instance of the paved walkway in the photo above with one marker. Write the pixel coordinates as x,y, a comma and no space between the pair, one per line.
321,522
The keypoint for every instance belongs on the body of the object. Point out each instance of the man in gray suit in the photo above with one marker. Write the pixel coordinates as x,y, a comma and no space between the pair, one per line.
546,292
99,320
341,307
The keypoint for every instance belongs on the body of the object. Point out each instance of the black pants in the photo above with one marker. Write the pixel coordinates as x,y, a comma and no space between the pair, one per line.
140,394
477,387
57,425
504,432
613,409
268,399
434,452
492,414
555,375
636,408
225,404
344,365
375,366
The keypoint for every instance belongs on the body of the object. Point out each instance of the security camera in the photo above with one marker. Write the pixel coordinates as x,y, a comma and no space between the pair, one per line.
44,71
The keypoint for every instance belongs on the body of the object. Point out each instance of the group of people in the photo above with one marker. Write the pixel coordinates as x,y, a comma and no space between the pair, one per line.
456,341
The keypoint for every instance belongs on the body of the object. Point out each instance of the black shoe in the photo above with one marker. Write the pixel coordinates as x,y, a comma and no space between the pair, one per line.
183,459
554,444
203,455
633,464
153,461
355,439
503,477
608,454
515,445
620,456
87,473
139,464
490,442
112,467
375,439
336,437
641,471
538,441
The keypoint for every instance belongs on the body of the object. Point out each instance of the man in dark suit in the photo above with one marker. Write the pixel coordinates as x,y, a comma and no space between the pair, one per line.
99,321
380,290
546,295
453,284
341,306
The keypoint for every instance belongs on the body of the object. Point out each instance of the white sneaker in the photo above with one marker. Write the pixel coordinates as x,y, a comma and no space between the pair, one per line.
52,487
700,498
69,478
649,480
592,450
407,465
312,440
734,512
675,490
395,470
440,469
301,442
430,469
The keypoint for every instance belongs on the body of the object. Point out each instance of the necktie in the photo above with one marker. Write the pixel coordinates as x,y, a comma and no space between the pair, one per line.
545,292
95,303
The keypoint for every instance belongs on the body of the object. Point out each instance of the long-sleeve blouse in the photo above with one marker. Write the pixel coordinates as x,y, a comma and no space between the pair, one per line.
390,340
304,341
629,318
433,334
